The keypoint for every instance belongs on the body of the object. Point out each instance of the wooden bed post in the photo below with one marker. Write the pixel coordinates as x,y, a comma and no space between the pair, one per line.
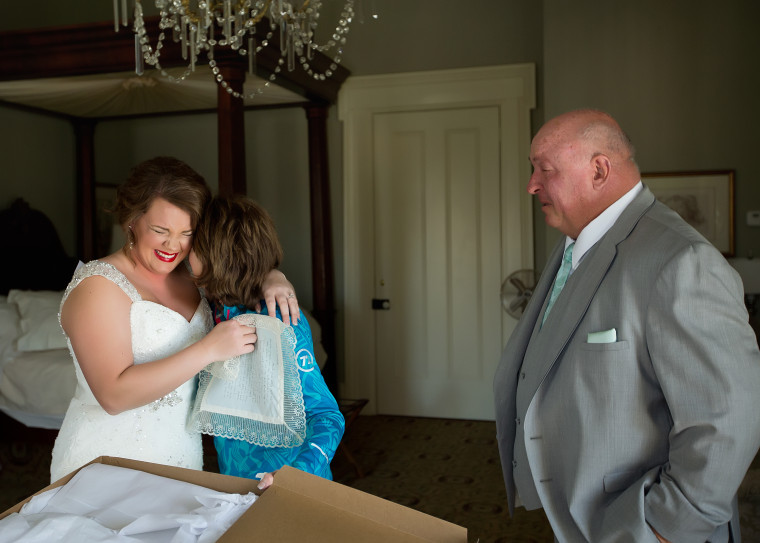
231,127
321,237
85,132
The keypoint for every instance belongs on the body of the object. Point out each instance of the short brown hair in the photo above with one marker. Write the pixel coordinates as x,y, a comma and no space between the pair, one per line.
160,177
236,243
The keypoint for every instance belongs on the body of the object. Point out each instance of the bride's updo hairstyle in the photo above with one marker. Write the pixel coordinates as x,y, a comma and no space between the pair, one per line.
160,177
237,245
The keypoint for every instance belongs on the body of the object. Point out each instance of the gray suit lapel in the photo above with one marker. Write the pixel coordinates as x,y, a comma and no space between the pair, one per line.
518,341
571,306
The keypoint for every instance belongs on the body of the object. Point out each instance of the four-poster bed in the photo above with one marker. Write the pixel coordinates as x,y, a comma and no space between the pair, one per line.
92,49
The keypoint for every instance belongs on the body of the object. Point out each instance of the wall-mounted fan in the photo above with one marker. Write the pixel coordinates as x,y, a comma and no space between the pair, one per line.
516,290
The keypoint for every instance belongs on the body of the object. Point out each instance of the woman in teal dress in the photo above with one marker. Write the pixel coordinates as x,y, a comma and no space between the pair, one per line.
235,246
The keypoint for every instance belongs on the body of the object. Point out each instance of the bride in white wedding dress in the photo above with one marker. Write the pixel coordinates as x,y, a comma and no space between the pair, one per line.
139,330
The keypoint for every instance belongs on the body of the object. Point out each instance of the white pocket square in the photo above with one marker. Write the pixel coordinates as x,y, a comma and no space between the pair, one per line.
605,336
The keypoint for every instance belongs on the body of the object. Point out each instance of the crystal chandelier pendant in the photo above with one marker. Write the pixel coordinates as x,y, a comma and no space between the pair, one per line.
201,25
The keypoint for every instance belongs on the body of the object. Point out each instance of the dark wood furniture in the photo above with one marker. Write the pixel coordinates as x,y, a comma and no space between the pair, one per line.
95,48
35,257
351,409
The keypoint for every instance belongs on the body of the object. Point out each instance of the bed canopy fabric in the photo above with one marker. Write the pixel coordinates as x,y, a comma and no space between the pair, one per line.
110,95
85,73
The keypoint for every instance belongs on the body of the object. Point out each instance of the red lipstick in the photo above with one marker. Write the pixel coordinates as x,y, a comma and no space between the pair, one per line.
165,257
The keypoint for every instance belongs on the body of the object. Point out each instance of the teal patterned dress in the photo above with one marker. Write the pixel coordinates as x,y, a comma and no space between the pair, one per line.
324,421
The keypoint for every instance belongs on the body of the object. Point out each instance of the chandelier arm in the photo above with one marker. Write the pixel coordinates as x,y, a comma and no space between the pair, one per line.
194,29
260,15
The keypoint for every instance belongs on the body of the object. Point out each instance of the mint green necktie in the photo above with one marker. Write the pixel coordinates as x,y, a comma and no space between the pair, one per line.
561,279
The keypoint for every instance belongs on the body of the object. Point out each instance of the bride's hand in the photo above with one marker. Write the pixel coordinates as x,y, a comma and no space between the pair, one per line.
278,291
229,339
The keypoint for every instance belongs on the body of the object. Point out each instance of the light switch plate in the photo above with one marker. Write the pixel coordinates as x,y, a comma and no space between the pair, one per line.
753,218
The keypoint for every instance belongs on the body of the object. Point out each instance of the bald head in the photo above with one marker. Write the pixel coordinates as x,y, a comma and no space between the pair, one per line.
583,162
600,134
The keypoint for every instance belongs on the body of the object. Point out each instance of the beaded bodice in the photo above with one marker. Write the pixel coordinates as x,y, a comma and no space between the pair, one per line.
155,432
157,331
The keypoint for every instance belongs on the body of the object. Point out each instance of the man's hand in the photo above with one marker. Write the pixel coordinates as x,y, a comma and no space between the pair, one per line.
658,536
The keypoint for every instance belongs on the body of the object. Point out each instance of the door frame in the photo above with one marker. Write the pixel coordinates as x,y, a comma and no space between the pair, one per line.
509,87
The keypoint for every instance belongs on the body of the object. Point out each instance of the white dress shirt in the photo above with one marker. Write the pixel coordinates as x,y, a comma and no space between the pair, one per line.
594,230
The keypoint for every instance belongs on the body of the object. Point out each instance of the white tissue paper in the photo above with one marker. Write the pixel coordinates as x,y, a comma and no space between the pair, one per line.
103,503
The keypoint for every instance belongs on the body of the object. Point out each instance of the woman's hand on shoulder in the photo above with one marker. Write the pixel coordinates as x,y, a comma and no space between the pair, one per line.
229,339
279,292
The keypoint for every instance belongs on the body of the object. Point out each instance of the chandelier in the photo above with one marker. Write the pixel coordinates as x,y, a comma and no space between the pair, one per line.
202,25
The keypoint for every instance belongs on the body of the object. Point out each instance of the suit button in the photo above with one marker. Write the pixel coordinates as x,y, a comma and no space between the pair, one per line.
517,420
522,375
514,463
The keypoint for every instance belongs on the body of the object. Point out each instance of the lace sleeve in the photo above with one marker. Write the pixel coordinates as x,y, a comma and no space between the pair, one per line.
104,269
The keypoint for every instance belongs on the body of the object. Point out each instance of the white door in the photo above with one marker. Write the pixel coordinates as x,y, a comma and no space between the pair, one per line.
445,153
438,254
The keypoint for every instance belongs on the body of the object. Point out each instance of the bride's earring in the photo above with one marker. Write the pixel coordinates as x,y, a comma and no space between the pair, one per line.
131,236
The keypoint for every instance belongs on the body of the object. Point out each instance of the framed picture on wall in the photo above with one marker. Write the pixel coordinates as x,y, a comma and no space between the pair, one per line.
704,199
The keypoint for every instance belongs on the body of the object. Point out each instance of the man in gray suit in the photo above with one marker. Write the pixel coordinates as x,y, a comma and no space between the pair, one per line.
631,410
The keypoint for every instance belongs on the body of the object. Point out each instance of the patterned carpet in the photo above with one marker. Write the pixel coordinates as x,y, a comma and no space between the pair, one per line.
450,469
446,468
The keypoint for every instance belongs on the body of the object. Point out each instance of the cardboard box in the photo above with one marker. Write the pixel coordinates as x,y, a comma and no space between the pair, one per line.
301,508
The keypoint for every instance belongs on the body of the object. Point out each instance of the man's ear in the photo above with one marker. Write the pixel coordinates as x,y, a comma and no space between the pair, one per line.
601,165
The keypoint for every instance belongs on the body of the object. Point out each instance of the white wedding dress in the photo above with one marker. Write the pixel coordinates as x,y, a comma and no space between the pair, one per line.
155,432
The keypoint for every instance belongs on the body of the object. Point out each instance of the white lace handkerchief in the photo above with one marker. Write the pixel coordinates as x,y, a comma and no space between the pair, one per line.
255,397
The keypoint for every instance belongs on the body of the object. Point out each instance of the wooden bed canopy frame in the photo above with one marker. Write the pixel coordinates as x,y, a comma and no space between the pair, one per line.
95,49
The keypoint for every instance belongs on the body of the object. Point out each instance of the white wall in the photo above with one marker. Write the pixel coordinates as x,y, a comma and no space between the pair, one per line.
38,164
277,162
121,144
681,77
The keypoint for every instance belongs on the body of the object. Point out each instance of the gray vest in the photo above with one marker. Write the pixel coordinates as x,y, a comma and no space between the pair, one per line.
520,466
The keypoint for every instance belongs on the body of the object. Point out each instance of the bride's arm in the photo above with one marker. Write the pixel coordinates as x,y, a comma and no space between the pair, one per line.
96,319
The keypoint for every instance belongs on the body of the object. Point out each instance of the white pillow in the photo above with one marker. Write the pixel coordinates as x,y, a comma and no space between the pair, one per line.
10,328
9,320
40,382
38,310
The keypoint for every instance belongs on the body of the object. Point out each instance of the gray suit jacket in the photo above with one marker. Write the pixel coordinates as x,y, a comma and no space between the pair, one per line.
658,427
